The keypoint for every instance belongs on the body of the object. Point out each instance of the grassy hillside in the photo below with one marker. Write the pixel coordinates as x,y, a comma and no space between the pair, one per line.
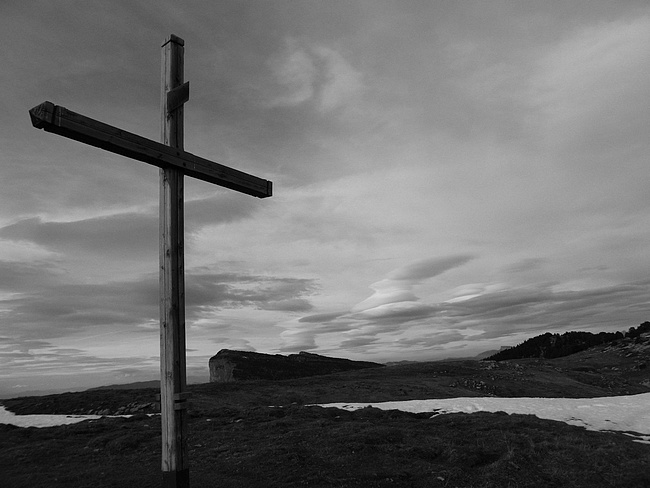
239,437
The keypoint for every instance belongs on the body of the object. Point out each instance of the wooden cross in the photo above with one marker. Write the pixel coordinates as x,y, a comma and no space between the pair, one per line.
173,162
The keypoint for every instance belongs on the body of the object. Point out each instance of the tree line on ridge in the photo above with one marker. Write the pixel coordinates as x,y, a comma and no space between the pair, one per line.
549,346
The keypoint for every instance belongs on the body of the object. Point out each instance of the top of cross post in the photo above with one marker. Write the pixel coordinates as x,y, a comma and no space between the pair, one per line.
174,39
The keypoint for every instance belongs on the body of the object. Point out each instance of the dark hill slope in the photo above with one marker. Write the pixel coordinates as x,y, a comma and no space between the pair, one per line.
550,346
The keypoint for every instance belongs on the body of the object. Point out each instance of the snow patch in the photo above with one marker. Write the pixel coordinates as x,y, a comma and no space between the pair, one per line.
628,414
7,417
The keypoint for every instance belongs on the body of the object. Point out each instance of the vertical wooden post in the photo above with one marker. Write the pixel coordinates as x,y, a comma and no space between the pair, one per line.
175,466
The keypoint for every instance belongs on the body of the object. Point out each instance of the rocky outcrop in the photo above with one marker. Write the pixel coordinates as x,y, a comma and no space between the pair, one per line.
230,365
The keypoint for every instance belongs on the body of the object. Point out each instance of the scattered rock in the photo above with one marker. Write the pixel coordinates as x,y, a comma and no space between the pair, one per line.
473,384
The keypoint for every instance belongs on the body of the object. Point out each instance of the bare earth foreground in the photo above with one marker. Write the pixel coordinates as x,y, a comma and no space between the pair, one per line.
266,434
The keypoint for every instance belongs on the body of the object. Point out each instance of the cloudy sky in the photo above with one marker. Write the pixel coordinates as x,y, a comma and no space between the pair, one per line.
450,177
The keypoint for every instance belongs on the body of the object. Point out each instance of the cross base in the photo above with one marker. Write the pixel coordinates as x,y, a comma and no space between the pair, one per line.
176,479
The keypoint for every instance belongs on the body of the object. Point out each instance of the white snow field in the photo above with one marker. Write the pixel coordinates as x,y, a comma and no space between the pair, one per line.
7,417
629,414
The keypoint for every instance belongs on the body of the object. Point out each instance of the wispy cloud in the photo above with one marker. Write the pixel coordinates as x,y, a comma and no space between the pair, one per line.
389,310
314,73
296,74
50,324
116,235
341,81
124,234
391,293
481,317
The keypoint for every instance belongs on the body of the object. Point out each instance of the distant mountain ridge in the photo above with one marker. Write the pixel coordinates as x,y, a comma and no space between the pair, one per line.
130,386
550,346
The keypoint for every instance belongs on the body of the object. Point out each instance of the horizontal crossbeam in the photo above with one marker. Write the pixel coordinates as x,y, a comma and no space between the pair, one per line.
59,120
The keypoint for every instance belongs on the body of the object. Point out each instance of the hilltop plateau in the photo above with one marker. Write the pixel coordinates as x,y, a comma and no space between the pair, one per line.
264,433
